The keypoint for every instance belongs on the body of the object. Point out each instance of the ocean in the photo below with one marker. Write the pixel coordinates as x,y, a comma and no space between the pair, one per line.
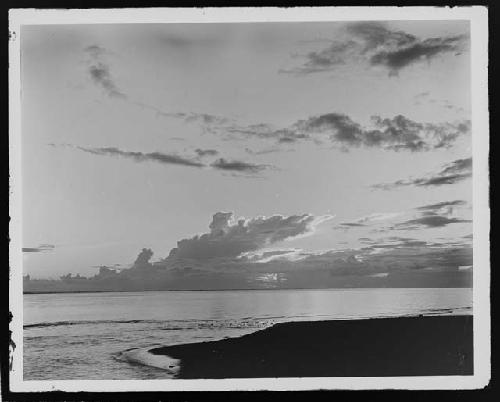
91,335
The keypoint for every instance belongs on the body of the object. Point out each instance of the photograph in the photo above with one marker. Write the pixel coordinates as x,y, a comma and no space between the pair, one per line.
249,199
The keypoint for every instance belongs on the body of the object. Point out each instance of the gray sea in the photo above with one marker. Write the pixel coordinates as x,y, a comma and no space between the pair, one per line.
87,335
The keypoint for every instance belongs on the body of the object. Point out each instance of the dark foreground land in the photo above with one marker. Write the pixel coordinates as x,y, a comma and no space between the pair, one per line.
409,346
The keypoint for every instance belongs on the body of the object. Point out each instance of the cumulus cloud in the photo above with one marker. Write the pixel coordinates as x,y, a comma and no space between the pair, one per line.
100,72
230,237
42,248
375,44
451,173
235,253
143,258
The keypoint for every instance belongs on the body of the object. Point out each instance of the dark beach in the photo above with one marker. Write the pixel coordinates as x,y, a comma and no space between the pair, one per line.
407,346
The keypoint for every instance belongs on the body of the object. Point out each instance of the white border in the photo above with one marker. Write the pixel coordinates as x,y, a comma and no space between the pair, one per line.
478,17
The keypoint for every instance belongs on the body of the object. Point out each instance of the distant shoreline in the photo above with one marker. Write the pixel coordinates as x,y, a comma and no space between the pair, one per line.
403,346
230,290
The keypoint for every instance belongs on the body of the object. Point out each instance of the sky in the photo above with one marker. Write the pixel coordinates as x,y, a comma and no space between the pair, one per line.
242,144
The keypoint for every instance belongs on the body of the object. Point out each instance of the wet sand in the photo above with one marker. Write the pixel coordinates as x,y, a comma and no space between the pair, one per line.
407,346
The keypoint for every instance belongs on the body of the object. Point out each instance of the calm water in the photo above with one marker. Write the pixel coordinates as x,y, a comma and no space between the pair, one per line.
82,336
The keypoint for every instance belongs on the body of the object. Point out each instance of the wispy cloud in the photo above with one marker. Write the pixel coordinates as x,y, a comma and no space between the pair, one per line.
426,216
158,157
425,98
206,152
432,221
235,166
100,72
451,173
238,166
352,224
434,216
42,248
441,205
374,44
368,220
397,133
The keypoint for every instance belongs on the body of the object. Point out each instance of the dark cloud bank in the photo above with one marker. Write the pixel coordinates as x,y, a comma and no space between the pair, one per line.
235,253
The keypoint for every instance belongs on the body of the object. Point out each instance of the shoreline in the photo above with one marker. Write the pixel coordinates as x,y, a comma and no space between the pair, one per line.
378,347
228,290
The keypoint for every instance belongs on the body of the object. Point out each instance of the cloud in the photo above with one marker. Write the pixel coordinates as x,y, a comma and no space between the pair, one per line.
263,151
206,152
42,248
208,121
432,221
387,259
424,97
397,133
374,44
234,166
229,238
421,95
398,58
262,257
234,253
95,51
158,157
441,205
101,76
368,220
143,258
426,216
458,166
434,216
380,275
378,217
451,173
352,224
100,72
238,166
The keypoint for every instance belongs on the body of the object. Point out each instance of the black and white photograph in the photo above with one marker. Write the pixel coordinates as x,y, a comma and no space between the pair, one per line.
249,199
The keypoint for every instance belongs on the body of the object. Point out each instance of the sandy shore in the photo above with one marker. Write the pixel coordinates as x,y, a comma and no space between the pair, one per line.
406,346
